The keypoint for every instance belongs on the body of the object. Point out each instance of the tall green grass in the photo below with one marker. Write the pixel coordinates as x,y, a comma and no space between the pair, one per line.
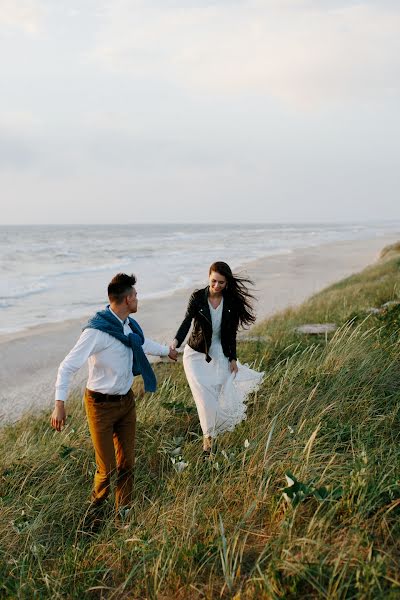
302,500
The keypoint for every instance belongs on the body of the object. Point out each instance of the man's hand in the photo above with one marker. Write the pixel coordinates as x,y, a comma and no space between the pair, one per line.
173,353
233,367
58,416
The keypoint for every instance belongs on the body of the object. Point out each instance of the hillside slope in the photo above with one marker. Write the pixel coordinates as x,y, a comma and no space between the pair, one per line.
301,501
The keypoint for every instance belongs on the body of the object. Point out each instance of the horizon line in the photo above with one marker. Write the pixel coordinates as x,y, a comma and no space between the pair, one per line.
394,221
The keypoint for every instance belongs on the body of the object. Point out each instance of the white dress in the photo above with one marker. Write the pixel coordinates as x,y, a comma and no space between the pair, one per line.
219,395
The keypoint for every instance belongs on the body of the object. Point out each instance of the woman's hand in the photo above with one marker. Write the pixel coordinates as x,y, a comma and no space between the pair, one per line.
173,353
233,366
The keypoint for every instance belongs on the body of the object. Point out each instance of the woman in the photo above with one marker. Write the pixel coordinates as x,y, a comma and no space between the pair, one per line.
219,383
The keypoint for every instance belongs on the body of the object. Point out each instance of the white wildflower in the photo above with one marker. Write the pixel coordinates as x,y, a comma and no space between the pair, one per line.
289,480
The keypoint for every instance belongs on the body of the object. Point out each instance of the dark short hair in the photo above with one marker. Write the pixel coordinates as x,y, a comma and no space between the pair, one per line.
120,286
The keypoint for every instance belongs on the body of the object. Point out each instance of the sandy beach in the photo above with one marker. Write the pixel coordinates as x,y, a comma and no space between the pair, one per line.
30,359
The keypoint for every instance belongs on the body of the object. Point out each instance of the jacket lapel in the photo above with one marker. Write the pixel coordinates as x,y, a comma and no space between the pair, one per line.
204,308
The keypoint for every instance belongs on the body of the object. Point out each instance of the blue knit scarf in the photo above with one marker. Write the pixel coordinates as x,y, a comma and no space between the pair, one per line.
105,321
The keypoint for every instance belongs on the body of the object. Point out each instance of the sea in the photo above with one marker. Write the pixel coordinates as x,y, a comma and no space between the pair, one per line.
51,273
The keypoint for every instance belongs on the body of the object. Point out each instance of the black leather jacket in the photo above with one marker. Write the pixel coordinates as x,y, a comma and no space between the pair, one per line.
198,310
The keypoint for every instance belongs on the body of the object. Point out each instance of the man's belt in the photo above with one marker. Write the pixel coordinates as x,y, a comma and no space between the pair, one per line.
99,397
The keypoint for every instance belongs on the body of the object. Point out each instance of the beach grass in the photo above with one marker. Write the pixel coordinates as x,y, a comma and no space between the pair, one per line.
302,500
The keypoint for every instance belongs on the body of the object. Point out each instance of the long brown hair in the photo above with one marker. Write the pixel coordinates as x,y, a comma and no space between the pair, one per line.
236,288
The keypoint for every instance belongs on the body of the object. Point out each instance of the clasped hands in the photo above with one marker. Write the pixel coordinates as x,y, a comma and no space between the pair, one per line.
173,353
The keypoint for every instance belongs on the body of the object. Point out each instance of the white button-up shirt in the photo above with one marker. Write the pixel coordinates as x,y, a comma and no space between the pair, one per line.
110,361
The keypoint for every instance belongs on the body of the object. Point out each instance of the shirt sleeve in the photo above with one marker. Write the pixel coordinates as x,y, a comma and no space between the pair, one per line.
89,343
154,348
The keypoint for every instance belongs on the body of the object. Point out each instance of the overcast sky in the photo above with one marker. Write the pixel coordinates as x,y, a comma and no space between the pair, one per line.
194,110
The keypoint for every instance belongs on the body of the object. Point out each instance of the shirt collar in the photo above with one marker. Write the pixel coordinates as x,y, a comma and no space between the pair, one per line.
115,315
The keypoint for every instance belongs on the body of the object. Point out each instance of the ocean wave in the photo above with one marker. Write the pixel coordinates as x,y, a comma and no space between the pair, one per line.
184,283
37,287
5,303
94,268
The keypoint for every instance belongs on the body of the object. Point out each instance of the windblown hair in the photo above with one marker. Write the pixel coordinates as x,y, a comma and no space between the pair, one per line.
120,286
238,291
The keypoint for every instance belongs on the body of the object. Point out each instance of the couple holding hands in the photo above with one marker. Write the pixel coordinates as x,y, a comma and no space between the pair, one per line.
115,347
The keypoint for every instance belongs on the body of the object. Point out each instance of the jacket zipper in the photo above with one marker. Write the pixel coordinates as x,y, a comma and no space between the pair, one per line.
203,315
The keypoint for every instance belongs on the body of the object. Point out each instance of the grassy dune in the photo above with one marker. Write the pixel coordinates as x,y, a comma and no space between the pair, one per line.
301,501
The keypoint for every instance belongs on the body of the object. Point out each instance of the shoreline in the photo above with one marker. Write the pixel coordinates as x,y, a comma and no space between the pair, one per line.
31,357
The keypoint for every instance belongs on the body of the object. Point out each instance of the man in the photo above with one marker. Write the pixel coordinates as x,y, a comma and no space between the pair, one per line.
114,345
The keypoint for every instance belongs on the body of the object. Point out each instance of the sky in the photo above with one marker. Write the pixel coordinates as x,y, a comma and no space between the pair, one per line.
157,111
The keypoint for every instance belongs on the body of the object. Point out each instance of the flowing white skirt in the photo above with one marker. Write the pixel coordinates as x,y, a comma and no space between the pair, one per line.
219,395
